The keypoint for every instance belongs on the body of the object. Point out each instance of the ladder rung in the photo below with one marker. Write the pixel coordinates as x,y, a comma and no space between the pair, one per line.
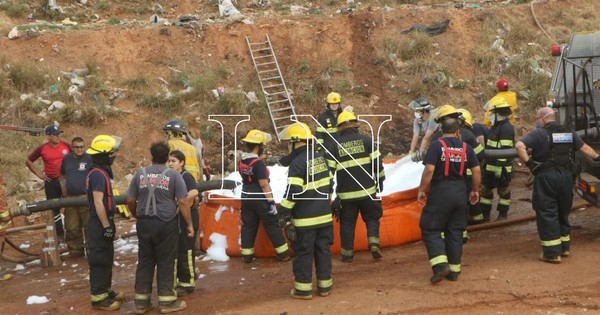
271,78
260,43
276,93
264,64
264,71
281,109
260,57
273,86
281,118
280,101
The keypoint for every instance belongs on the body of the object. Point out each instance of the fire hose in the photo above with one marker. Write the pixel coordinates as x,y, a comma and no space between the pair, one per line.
81,201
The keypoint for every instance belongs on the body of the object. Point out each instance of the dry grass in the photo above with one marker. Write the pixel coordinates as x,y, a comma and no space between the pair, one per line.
417,46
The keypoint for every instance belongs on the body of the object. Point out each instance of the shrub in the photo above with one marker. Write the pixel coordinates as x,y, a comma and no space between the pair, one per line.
418,46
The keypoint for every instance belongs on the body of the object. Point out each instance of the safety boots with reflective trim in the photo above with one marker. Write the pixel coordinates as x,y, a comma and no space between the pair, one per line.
285,256
142,308
552,260
453,276
116,296
376,252
439,272
347,259
248,258
106,305
301,295
174,306
566,253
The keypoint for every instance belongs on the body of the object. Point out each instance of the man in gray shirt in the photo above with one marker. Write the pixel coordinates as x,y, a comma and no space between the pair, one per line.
73,171
153,198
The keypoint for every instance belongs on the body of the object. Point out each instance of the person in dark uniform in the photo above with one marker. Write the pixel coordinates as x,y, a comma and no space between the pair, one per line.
359,176
553,147
498,171
186,271
73,171
257,199
305,212
101,223
443,217
327,121
156,196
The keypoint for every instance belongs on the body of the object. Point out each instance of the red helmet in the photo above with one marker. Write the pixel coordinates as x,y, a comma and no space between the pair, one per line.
502,85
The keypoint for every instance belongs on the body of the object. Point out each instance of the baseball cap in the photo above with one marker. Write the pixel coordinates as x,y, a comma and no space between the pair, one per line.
53,130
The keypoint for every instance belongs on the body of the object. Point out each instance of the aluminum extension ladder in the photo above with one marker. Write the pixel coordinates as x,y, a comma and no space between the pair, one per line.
273,86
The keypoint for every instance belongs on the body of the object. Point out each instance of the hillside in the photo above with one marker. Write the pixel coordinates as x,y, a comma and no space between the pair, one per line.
355,48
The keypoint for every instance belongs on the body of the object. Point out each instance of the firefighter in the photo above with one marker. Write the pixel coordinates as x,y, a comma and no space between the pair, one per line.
475,214
175,131
101,224
327,120
553,150
186,272
498,172
509,96
359,176
305,212
257,199
156,195
423,124
443,217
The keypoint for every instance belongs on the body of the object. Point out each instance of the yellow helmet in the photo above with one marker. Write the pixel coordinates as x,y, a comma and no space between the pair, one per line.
345,116
468,118
295,132
104,144
333,98
496,102
446,111
257,136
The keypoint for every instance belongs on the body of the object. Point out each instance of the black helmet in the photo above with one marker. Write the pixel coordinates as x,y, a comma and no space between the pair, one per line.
175,125
420,104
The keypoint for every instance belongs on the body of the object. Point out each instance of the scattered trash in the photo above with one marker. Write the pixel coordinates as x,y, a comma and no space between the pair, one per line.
252,97
434,29
79,81
164,31
77,96
56,105
34,299
296,9
68,21
226,8
461,84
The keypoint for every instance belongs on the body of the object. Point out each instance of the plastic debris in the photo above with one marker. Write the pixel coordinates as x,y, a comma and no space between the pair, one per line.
226,8
432,30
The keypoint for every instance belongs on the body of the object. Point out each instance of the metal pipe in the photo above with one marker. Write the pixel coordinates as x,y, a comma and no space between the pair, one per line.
491,225
502,153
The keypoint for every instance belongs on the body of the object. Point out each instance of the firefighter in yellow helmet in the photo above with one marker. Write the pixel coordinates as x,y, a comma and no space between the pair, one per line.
257,199
101,224
444,193
359,174
498,172
327,120
305,212
509,96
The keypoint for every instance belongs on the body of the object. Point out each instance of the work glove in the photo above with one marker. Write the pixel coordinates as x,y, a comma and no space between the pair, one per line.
108,233
418,156
533,165
272,208
290,231
597,159
283,216
336,208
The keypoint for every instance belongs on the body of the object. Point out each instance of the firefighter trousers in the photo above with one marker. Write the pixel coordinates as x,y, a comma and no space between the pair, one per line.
486,193
186,271
100,253
312,246
76,220
552,199
53,191
370,211
442,222
157,242
252,213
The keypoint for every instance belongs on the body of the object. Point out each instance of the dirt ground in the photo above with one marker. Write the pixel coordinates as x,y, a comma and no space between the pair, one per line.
501,275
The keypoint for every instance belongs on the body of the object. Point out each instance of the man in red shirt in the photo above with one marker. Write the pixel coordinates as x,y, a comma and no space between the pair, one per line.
52,153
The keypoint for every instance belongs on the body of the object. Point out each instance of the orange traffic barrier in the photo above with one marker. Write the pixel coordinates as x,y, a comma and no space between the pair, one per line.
399,224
